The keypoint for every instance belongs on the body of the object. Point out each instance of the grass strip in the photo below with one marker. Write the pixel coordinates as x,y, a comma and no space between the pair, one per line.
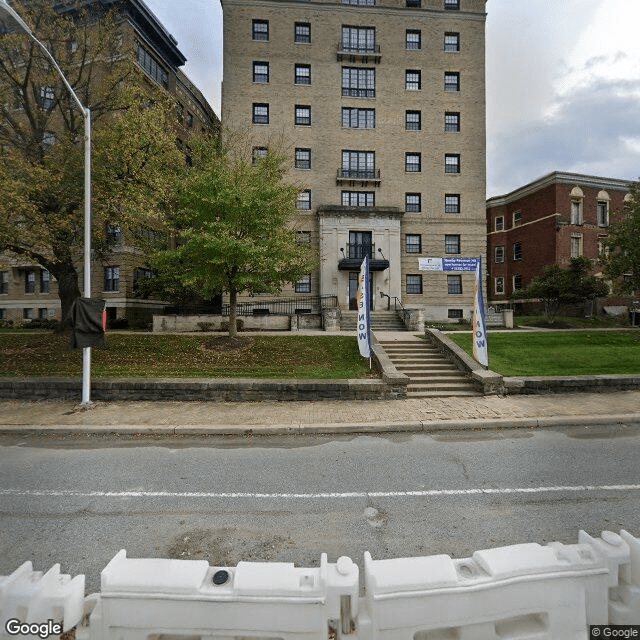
184,356
560,353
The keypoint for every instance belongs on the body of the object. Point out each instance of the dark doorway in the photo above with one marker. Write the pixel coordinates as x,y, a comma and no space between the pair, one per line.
353,290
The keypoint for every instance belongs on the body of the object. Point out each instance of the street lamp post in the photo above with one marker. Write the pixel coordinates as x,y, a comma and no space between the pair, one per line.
86,351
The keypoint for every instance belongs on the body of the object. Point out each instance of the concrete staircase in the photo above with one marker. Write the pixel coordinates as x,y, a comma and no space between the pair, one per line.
432,375
380,321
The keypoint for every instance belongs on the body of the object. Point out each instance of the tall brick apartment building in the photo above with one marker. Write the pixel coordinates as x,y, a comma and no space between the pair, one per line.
27,291
548,221
382,103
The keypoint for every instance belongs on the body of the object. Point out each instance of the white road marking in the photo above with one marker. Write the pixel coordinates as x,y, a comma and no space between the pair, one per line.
426,493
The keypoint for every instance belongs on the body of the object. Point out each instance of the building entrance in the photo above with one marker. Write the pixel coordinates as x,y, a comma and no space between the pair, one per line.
353,290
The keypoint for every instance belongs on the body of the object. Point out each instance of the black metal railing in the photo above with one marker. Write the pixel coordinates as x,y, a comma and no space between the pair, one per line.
359,174
364,49
358,250
283,306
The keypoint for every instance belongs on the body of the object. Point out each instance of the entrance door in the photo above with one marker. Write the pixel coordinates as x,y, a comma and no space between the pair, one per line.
353,290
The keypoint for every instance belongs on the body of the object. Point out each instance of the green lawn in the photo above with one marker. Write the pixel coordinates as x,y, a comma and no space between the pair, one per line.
560,353
147,355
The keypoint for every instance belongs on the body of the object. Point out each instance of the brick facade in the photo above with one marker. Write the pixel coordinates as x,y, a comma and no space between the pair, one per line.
559,216
396,63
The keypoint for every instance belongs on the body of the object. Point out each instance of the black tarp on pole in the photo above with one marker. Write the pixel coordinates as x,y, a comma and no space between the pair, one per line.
85,319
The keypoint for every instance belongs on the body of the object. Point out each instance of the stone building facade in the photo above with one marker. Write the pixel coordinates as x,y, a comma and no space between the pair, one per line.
27,290
548,221
381,104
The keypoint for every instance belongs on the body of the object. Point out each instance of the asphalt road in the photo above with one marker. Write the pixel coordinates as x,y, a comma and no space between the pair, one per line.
78,501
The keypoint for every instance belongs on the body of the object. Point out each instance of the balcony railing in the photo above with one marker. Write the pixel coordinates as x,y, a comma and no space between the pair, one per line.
360,250
356,253
358,175
359,52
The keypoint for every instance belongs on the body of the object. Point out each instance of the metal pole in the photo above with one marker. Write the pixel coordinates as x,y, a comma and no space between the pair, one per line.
86,352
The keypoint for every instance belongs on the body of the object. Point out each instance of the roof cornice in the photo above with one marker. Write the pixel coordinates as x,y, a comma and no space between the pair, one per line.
560,177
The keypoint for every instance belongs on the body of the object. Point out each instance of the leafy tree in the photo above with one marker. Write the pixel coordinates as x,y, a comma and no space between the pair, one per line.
622,264
232,228
42,138
557,287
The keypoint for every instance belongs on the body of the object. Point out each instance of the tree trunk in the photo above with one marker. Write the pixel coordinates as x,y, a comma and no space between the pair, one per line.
233,299
68,289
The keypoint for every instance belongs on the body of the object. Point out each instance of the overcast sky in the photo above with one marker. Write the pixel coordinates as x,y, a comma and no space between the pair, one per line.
563,83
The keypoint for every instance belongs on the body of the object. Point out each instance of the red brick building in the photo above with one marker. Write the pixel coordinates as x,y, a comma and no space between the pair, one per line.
548,221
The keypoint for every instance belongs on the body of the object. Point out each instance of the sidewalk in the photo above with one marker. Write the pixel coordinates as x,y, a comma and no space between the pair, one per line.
272,418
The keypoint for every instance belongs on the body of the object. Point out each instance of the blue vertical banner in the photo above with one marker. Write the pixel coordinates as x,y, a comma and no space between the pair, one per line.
364,313
479,337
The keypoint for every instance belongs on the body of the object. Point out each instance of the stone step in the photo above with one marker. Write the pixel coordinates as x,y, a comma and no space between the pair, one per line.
444,394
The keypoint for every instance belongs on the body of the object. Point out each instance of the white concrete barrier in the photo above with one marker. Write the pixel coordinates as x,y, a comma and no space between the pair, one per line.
31,598
155,597
520,592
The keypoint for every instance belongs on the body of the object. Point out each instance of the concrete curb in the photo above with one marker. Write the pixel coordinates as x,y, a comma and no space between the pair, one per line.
324,428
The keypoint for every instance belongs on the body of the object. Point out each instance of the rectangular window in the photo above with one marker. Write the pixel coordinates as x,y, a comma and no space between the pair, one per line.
412,120
517,250
576,245
452,42
499,223
517,218
452,5
452,121
452,244
258,154
260,30
360,3
358,82
358,199
359,165
416,4
414,284
455,314
303,285
260,113
4,282
451,81
111,278
302,32
603,213
413,243
113,233
47,97
576,212
261,72
452,203
412,80
452,163
413,39
30,282
413,202
353,118
498,255
302,74
359,39
151,66
303,158
304,237
454,285
304,200
27,314
303,115
45,281
413,162
499,286
517,281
